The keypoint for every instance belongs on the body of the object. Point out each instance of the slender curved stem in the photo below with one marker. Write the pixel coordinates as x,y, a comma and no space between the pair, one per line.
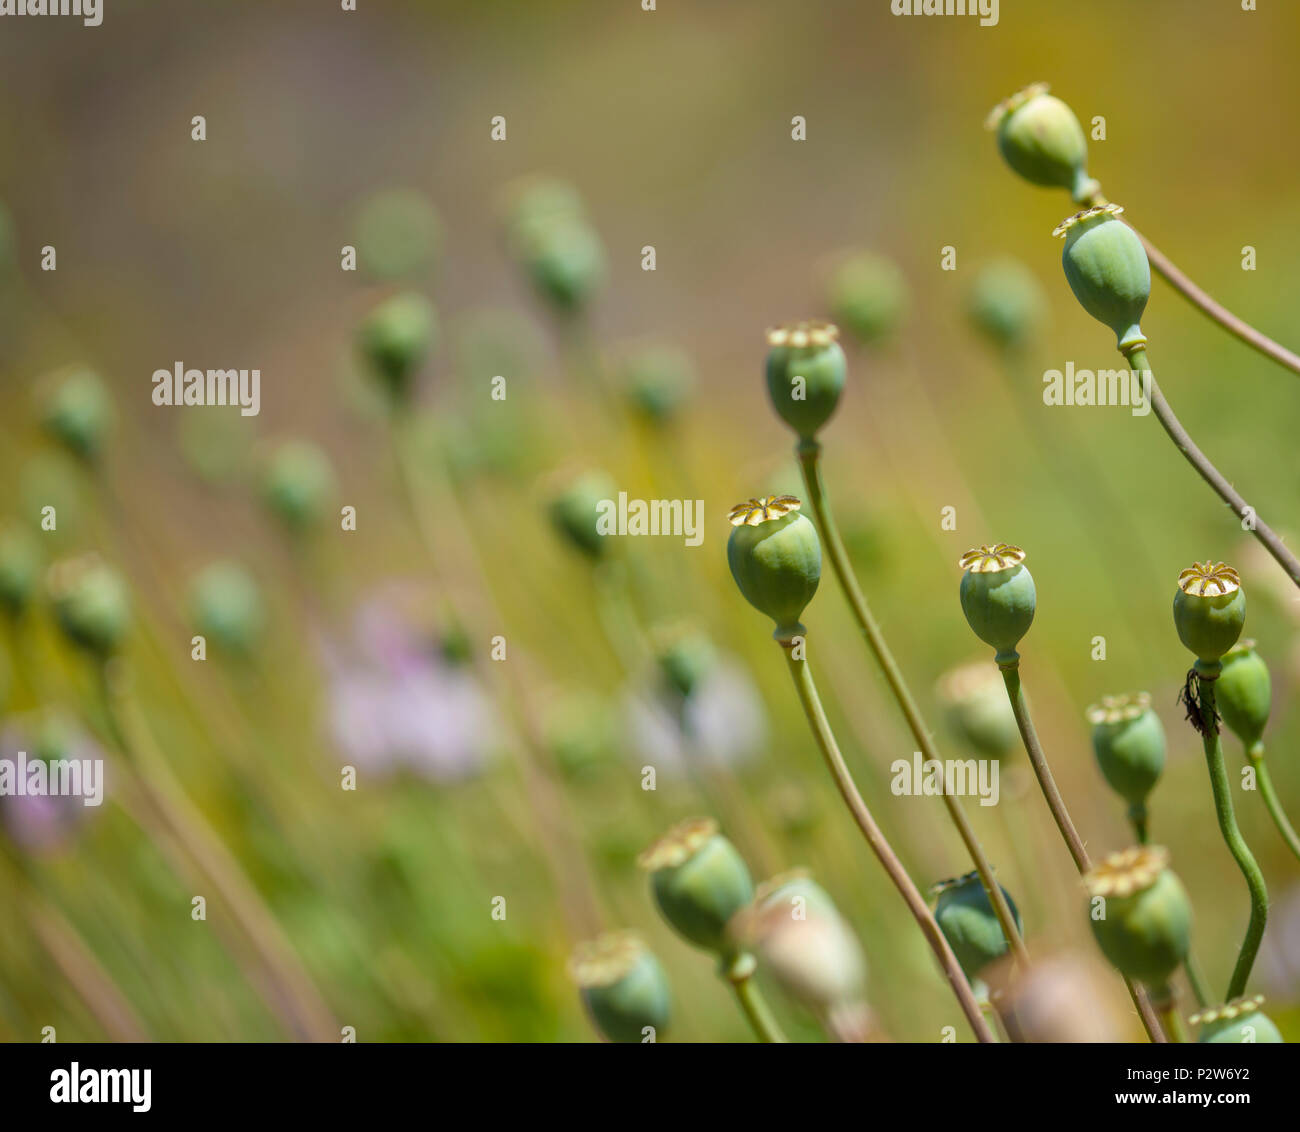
1272,801
1170,1020
1196,981
809,452
1070,835
1232,837
1137,359
920,910
1217,312
756,1009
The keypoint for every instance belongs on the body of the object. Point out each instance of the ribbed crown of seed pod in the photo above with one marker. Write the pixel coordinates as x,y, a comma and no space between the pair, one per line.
1139,913
1241,1020
77,411
227,608
805,371
976,707
1041,139
1129,742
699,881
91,604
776,559
997,596
1107,269
395,338
966,917
297,482
1007,304
1244,694
868,296
623,986
1209,610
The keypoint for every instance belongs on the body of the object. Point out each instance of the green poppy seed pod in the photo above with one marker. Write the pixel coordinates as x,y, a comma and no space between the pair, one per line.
978,710
20,564
1240,1021
1129,742
685,656
399,234
91,604
623,987
799,937
805,374
226,607
966,917
1209,610
395,338
1041,139
1007,304
1244,694
700,881
576,510
776,560
659,382
78,412
868,296
565,260
1140,915
997,596
1107,269
297,483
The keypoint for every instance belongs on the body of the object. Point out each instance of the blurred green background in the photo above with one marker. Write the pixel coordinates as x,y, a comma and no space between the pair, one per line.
674,127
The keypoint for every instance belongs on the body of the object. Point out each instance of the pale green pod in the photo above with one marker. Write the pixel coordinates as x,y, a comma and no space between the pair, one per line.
1240,1021
998,597
1209,611
868,296
977,708
1244,694
1140,915
91,604
1108,271
623,986
227,608
78,412
699,881
1041,139
805,371
776,560
1129,742
394,340
966,917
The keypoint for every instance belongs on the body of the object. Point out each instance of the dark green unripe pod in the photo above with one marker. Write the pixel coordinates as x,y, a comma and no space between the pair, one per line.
1041,139
226,606
966,917
685,658
623,987
1108,271
1209,611
78,413
776,560
700,881
20,564
978,708
576,512
998,596
297,484
399,234
1239,1021
868,296
1129,742
395,338
659,382
1244,694
91,604
1140,915
805,375
1007,304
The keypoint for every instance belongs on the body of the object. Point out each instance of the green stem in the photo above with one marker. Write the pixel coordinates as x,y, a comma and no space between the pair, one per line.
809,452
880,846
1070,835
1268,538
1170,1019
1232,837
756,1009
1272,801
1197,982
